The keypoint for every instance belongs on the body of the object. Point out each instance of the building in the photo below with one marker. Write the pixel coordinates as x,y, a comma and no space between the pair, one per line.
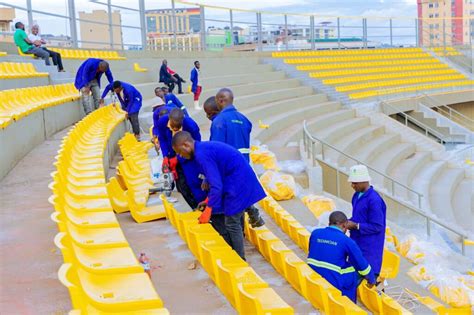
57,40
444,22
97,36
160,22
7,15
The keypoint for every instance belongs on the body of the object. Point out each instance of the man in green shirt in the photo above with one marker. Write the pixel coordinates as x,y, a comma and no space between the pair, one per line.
26,45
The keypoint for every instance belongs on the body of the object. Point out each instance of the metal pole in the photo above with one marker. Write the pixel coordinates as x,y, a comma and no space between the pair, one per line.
231,15
339,33
312,153
417,37
111,29
141,4
72,22
286,32
338,188
391,33
444,36
173,14
29,9
311,23
259,31
203,28
470,44
364,31
428,226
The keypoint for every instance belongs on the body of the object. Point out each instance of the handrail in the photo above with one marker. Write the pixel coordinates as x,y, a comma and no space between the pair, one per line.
440,104
441,137
393,180
429,219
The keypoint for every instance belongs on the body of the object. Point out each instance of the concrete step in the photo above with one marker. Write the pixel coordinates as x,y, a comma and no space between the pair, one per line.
376,146
7,84
442,187
328,119
463,203
423,179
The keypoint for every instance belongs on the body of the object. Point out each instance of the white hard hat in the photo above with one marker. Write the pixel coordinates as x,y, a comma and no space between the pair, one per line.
359,174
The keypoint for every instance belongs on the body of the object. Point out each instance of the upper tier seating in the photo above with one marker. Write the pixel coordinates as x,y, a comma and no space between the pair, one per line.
19,70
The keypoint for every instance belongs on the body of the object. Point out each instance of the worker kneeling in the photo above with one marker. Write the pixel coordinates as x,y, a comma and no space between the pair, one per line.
233,185
337,258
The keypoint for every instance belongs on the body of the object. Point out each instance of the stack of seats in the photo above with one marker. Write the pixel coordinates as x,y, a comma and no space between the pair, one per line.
372,72
240,284
129,190
19,70
84,54
100,269
302,278
18,103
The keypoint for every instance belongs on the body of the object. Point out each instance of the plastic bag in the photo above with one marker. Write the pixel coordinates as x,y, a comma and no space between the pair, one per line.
418,251
451,291
318,204
279,186
156,170
261,155
292,166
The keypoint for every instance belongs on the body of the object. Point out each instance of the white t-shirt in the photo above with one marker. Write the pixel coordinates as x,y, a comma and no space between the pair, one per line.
34,38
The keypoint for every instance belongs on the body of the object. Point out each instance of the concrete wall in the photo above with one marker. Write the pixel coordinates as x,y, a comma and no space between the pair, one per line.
467,108
112,145
22,136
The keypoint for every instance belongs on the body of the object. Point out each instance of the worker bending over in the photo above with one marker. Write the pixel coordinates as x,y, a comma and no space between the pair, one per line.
130,100
368,221
171,99
337,258
185,172
233,185
232,127
88,82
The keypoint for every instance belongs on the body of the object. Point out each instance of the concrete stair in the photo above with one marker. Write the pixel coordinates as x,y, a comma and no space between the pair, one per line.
432,123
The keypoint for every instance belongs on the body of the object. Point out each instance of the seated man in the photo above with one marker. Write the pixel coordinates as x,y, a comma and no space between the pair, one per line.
176,76
35,38
337,258
131,101
170,98
233,185
27,46
168,79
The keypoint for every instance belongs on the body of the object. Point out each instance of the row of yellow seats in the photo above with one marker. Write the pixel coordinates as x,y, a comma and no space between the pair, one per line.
19,70
413,88
84,54
100,270
5,122
302,277
336,73
385,76
390,265
448,53
3,53
357,58
347,65
339,52
379,84
18,103
240,284
128,191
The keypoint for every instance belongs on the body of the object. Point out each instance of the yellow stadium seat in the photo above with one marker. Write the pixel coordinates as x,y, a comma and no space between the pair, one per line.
390,265
342,305
318,292
264,241
261,300
391,307
370,298
147,213
137,68
296,272
118,198
211,251
278,252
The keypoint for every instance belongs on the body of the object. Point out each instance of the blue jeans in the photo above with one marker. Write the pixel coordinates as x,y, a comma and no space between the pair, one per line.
39,52
233,226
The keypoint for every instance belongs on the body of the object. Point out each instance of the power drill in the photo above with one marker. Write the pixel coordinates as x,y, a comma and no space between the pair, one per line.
168,183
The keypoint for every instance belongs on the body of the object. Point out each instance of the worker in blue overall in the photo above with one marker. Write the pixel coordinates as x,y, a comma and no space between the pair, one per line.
131,101
88,82
233,185
337,258
233,128
185,172
368,222
170,98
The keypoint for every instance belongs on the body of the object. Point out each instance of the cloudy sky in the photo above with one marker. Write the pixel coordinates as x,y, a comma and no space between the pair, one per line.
353,8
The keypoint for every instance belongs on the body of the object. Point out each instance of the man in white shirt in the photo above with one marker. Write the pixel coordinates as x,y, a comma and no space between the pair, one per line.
35,37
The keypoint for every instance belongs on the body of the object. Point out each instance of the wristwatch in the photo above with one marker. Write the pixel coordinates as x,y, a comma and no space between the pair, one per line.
358,226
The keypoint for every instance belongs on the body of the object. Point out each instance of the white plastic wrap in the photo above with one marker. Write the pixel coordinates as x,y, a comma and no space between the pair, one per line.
318,204
292,166
279,186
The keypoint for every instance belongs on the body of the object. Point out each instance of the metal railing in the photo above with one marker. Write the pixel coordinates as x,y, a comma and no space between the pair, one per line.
427,129
309,143
451,113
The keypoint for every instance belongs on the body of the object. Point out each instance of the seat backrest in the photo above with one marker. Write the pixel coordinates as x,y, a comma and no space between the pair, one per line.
371,298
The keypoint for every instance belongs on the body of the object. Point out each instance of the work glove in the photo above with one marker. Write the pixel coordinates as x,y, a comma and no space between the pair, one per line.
202,205
173,162
205,216
166,165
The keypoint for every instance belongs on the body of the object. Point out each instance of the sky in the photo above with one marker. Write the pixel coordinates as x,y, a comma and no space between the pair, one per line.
353,8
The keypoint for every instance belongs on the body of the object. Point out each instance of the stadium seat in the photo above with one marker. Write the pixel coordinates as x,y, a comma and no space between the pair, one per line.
142,213
318,292
19,70
342,305
137,68
278,252
261,300
390,265
118,197
392,307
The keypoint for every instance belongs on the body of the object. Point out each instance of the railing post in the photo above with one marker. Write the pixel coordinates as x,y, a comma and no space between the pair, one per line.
393,188
203,28
444,37
339,32
259,31
231,16
143,23
391,33
72,23
173,16
338,184
322,151
286,32
29,11
417,35
463,246
313,148
428,226
364,31
419,201
109,16
312,36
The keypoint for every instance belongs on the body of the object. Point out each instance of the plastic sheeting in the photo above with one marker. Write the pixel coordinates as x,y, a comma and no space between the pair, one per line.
318,204
279,186
260,155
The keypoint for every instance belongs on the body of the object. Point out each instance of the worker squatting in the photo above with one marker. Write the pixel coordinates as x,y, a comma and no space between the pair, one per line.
216,177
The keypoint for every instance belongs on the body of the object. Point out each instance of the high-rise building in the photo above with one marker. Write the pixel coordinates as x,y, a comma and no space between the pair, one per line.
445,22
97,36
160,22
7,15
